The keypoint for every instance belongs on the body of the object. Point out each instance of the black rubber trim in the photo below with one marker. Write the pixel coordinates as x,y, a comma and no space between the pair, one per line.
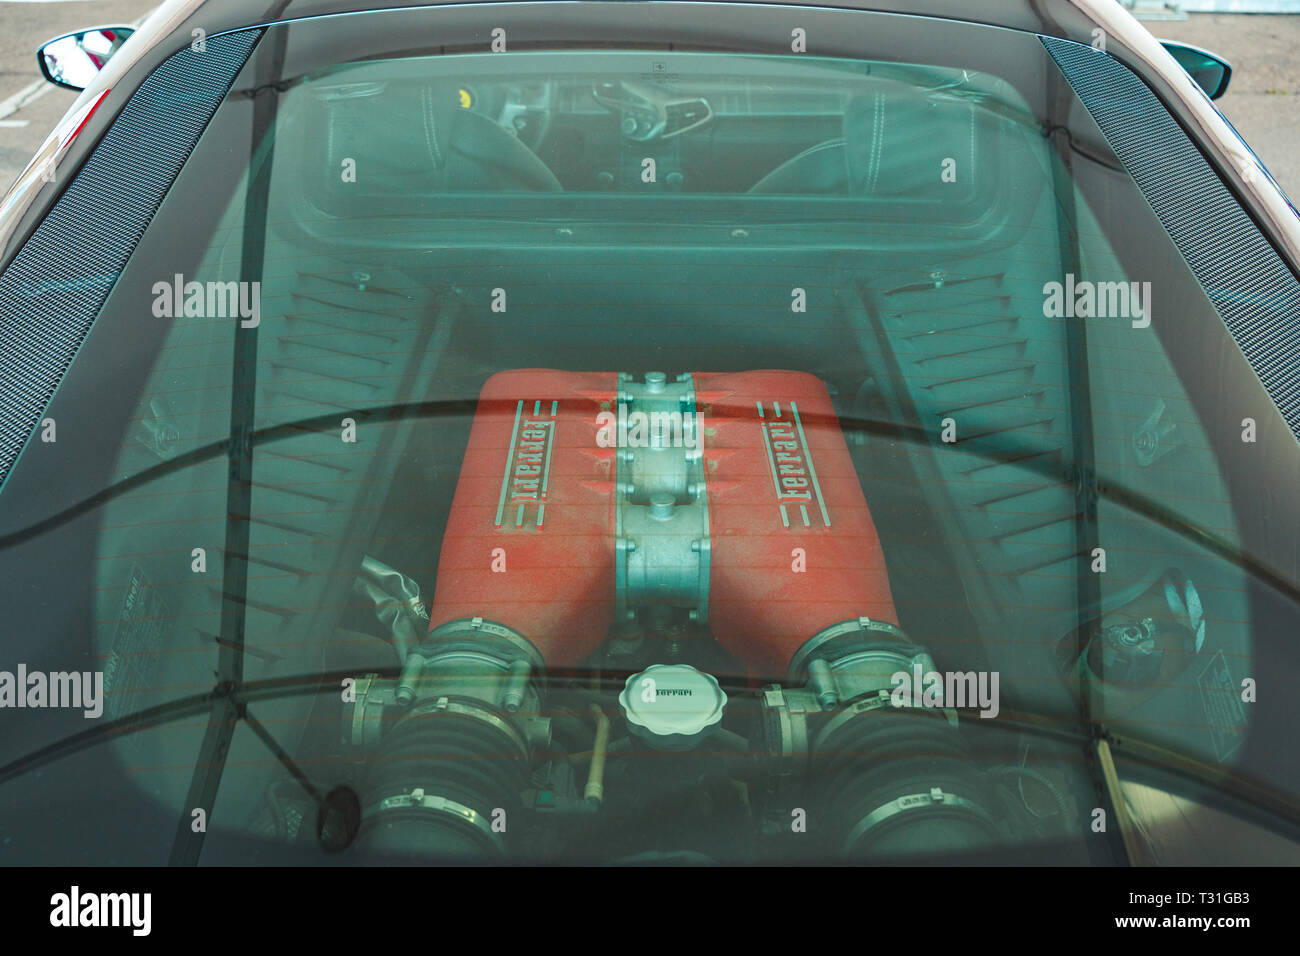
56,285
1253,290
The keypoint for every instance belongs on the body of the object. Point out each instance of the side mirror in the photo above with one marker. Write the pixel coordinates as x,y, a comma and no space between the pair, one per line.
1210,72
72,60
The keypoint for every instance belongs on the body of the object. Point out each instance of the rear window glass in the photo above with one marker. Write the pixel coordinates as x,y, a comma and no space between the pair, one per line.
923,371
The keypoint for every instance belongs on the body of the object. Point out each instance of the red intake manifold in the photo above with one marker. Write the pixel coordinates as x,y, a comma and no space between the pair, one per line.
586,498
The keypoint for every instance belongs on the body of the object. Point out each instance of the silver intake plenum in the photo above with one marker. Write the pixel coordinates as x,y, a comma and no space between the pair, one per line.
661,504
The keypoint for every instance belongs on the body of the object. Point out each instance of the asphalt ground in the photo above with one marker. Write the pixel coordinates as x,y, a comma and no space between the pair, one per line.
1262,102
40,105
1263,98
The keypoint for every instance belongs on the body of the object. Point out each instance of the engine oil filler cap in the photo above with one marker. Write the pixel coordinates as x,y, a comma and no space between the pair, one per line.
672,706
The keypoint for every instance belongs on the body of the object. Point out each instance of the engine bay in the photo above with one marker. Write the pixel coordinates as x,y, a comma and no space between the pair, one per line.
664,630
670,529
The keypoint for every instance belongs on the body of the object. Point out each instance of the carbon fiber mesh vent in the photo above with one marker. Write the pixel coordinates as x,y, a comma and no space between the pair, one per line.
56,285
1249,284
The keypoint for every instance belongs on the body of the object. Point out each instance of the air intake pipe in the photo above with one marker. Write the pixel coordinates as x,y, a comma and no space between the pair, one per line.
448,744
879,773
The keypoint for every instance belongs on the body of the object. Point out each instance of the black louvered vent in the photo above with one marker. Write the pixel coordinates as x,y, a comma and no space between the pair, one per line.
1249,284
54,288
969,350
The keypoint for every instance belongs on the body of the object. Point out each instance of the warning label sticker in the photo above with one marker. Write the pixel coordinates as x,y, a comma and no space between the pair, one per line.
1221,699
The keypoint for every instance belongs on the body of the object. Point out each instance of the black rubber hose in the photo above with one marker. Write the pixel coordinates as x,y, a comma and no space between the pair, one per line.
453,756
876,758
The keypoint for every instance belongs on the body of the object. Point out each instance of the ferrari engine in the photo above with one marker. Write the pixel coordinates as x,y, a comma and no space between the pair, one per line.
590,500
599,508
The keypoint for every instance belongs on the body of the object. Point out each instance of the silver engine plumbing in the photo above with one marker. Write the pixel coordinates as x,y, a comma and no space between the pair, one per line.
884,774
449,742
661,502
